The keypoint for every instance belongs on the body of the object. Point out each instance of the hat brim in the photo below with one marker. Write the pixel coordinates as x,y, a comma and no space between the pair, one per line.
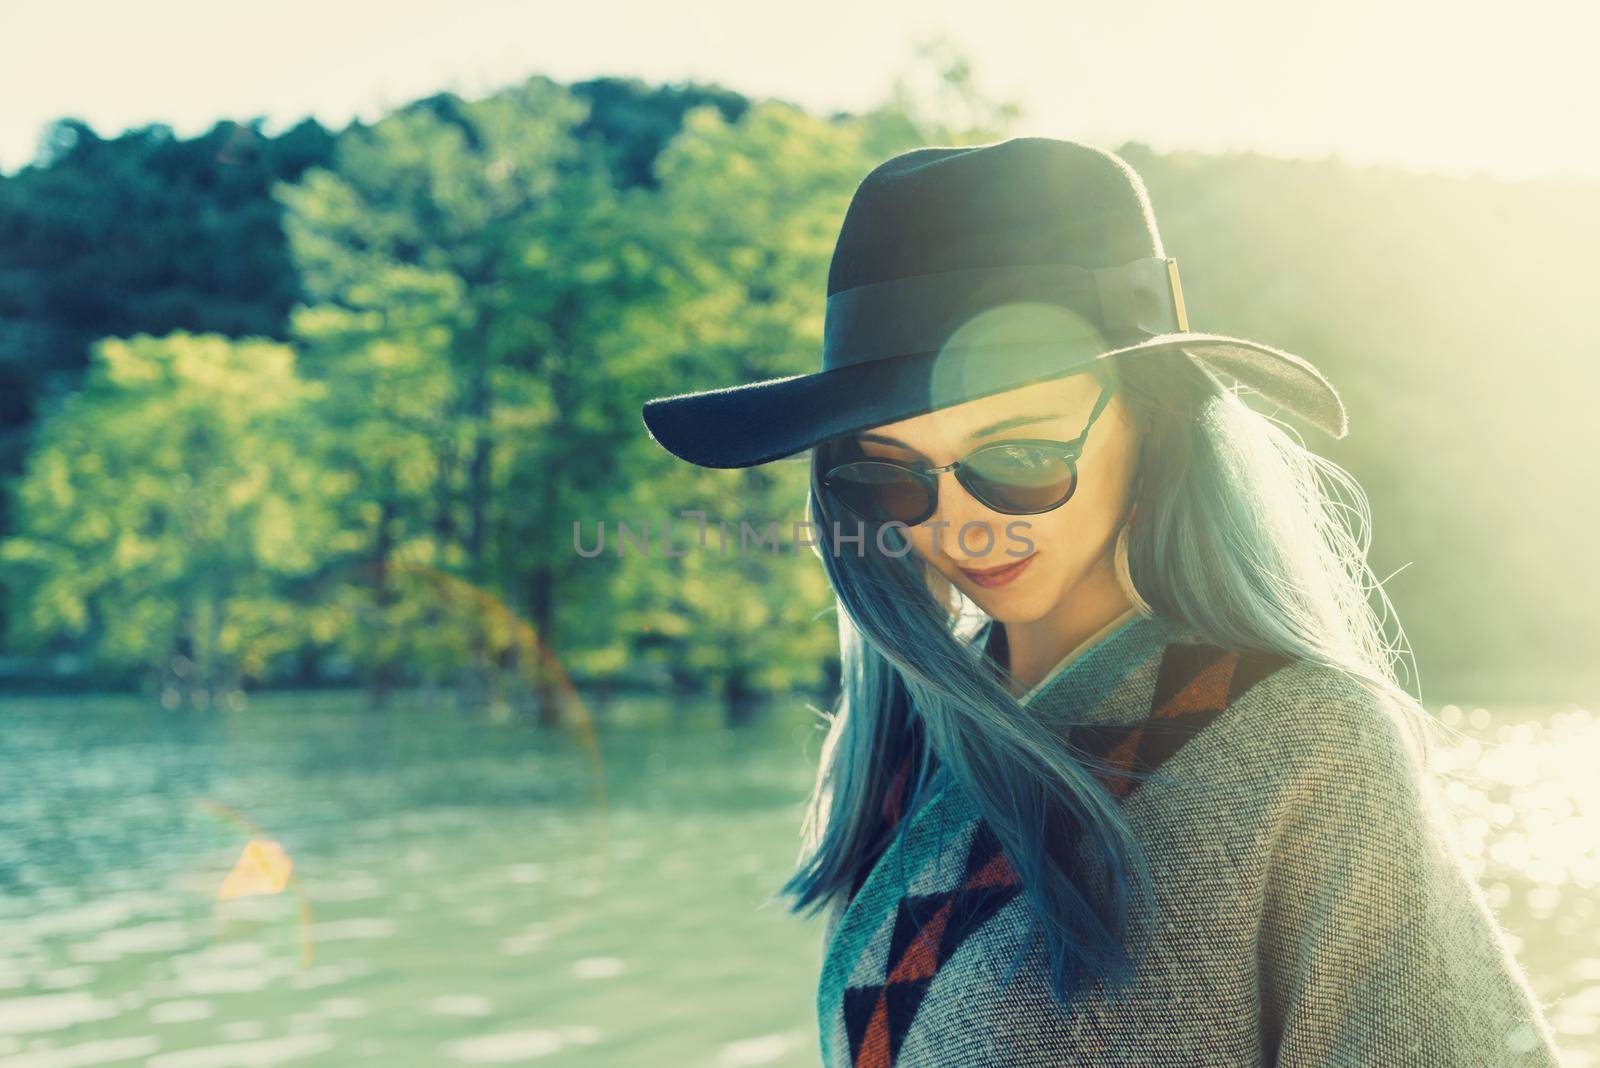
756,423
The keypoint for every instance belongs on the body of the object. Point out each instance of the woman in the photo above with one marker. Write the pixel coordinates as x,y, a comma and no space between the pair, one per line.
1120,772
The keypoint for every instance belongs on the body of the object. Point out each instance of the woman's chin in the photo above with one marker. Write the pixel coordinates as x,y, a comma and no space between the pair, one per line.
1010,604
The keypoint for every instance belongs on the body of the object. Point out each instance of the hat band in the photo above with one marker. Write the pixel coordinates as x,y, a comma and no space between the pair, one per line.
1108,306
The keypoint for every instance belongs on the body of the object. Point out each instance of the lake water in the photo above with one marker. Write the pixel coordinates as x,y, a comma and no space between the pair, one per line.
468,892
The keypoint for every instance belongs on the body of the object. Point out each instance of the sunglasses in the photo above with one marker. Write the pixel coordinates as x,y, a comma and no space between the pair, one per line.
1023,476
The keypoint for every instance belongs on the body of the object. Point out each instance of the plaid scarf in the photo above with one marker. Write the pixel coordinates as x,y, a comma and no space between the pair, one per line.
1314,909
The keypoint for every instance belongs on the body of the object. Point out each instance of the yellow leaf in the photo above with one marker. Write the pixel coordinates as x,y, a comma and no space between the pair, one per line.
263,868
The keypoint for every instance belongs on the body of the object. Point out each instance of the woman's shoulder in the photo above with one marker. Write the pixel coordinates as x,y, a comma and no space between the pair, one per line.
1279,697
1241,675
1324,725
1260,720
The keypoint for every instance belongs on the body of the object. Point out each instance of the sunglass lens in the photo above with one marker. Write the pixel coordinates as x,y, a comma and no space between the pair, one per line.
880,492
1020,479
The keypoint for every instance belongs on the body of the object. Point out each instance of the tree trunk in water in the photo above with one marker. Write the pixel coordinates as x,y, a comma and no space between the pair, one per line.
383,595
542,616
739,700
475,684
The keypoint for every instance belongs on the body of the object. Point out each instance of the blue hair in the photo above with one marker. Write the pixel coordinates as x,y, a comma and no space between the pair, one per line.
1241,534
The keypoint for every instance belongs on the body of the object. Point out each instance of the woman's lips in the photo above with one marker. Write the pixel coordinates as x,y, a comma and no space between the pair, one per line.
999,576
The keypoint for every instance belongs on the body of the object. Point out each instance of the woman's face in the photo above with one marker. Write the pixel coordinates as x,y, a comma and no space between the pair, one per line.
1071,546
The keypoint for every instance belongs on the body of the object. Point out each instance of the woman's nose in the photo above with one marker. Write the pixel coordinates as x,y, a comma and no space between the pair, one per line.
959,508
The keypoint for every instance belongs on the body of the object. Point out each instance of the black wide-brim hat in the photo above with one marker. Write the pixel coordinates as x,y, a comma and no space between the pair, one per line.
962,272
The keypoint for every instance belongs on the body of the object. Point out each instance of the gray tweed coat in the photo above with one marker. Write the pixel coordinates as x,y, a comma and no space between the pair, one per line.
1312,907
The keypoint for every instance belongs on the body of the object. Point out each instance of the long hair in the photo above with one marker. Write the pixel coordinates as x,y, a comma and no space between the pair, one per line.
1240,533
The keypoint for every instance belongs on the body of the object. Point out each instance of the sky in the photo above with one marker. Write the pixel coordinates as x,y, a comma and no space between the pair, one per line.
1511,90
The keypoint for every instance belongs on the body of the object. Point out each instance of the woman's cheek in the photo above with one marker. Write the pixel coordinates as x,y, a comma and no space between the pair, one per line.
932,546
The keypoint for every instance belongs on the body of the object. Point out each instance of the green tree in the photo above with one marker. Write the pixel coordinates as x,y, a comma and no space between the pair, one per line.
163,510
385,420
573,446
743,224
436,199
144,232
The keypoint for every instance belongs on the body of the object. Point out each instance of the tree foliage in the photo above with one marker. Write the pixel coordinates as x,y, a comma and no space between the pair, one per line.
167,509
300,405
